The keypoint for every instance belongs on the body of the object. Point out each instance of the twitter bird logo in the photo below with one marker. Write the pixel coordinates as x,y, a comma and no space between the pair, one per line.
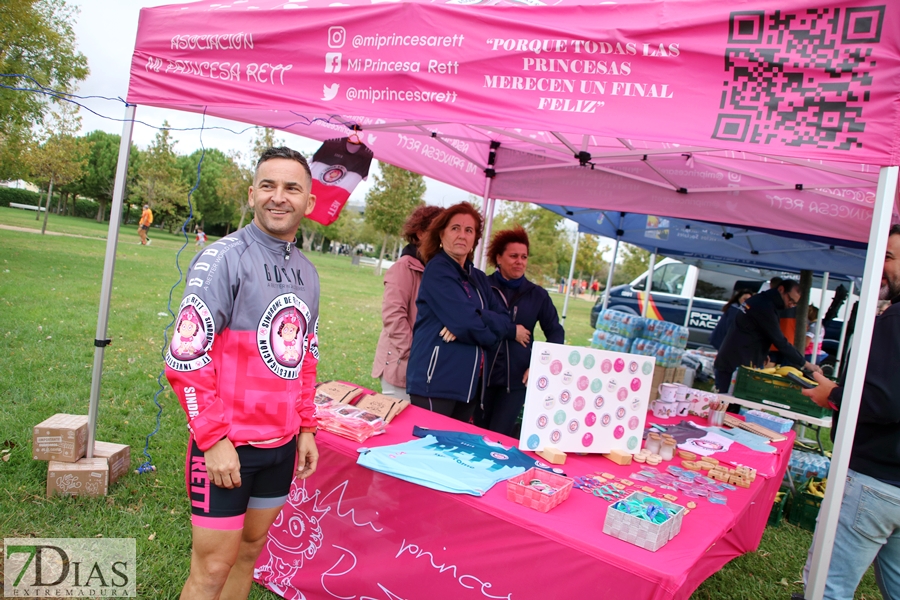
330,91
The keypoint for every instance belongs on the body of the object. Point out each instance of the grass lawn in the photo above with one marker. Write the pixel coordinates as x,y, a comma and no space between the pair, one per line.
49,293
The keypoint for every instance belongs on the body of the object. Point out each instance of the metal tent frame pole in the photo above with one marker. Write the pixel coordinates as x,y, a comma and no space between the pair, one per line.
818,333
826,528
612,263
487,211
109,265
571,273
646,303
843,340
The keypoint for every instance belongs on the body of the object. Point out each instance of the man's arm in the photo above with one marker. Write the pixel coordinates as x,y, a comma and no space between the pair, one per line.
769,324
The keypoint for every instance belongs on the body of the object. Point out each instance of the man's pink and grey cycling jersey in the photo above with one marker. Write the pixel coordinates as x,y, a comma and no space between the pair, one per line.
243,355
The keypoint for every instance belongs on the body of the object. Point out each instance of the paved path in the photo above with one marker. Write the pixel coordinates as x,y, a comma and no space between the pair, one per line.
29,230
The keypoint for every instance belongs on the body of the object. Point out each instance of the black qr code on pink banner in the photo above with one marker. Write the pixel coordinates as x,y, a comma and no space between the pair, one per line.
799,79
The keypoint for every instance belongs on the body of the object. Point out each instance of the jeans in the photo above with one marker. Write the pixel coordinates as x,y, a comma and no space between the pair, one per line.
868,530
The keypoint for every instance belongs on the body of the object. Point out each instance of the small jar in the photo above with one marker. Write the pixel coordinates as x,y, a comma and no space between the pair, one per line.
654,441
667,451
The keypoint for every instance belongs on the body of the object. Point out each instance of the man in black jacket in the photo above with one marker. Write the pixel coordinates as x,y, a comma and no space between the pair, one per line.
869,523
755,329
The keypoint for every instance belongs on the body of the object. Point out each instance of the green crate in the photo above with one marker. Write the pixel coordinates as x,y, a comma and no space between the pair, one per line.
778,508
805,508
775,391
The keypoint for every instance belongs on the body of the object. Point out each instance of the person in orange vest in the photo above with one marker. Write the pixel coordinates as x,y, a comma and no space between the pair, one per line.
144,225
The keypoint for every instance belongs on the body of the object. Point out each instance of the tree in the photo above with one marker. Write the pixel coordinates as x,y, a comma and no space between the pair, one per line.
549,250
222,188
396,193
61,159
589,260
633,263
99,176
36,41
160,183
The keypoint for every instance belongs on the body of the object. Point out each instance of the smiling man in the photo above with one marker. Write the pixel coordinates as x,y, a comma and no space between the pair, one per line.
243,365
869,523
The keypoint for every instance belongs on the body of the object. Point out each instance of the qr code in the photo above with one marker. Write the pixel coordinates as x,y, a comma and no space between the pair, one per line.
799,79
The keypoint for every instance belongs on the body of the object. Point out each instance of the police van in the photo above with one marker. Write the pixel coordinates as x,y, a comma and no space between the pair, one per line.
710,285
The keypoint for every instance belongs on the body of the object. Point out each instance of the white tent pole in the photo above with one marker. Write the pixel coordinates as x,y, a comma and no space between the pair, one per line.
571,273
612,264
649,283
818,334
690,307
840,351
488,231
109,265
485,211
826,528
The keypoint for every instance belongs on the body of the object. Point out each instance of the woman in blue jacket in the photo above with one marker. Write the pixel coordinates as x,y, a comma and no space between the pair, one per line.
508,361
458,318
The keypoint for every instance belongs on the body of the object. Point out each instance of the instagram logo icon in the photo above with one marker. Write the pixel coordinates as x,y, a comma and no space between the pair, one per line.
337,35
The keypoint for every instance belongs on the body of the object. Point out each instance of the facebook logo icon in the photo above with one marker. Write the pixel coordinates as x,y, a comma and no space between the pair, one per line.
332,62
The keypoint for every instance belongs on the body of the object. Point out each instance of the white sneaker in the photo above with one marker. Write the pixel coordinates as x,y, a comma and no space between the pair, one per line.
149,241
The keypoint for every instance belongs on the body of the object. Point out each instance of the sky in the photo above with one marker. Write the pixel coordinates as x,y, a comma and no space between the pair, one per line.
105,31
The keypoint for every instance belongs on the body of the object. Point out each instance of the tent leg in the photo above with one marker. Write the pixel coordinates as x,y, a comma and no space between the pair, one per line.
612,264
840,350
109,264
826,528
818,334
690,307
571,272
487,211
646,303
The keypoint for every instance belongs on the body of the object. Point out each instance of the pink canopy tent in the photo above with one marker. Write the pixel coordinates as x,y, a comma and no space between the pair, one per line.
781,114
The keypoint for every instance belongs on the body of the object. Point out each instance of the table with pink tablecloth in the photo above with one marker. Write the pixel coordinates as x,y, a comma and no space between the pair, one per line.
352,533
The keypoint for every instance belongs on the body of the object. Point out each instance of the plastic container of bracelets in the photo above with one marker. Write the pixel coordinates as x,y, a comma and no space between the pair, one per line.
636,528
549,491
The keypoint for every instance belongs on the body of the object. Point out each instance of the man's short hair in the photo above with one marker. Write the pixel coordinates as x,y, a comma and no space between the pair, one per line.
895,229
788,285
775,282
283,152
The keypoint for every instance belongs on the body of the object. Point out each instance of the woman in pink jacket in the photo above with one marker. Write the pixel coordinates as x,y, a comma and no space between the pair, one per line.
398,309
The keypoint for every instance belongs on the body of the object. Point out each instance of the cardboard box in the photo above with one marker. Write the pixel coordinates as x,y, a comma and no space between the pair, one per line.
61,438
679,376
87,477
670,375
659,374
338,392
385,407
118,457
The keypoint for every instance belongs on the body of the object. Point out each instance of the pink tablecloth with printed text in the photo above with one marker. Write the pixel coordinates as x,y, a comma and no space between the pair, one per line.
352,533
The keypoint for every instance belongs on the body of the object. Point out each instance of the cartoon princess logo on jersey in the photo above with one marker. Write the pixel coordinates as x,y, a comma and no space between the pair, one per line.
334,174
281,335
193,336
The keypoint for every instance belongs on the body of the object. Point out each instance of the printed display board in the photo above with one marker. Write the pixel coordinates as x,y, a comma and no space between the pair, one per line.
585,400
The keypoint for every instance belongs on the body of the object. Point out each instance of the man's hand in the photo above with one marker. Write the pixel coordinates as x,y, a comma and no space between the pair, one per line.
525,377
820,393
307,455
446,335
523,336
811,367
223,465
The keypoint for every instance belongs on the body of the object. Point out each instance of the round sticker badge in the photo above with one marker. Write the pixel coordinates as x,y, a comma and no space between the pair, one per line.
587,440
542,421
573,426
579,403
605,420
542,382
545,357
590,419
567,377
589,361
632,442
622,394
583,383
619,365
632,367
606,366
611,385
560,417
647,368
620,412
635,402
596,385
635,384
555,367
533,441
555,436
598,402
574,357
549,402
633,422
565,396
618,432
